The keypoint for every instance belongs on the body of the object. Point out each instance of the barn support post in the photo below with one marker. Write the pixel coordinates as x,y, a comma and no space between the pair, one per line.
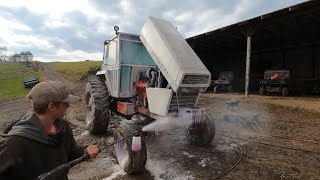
248,33
248,66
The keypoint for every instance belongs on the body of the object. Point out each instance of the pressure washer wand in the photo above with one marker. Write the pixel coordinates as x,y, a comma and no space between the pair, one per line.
85,157
63,167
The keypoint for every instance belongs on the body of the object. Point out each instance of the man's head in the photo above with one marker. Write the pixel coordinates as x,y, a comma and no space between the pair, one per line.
51,97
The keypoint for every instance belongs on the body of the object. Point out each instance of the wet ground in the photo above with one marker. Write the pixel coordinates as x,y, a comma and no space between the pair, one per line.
263,137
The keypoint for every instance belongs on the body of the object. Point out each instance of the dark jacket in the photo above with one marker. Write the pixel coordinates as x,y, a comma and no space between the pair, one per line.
28,151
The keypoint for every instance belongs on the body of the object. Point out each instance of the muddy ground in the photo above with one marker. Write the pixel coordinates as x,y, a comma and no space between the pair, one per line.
272,137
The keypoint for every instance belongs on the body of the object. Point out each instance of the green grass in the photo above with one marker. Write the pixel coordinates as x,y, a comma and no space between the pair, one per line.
11,79
13,69
74,70
13,87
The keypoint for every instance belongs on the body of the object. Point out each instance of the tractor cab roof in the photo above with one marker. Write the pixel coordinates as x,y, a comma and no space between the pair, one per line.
123,35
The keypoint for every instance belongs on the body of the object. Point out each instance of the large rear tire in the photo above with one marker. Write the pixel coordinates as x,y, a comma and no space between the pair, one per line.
205,136
131,161
97,107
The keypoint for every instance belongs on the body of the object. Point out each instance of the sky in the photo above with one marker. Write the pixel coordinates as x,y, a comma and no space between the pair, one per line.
74,30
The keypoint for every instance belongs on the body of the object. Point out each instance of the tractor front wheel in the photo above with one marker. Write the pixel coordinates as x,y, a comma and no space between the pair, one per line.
130,161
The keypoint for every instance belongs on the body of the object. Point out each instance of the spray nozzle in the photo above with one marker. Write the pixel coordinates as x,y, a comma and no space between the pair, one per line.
136,143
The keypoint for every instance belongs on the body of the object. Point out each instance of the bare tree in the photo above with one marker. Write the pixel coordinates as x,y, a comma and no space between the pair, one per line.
3,52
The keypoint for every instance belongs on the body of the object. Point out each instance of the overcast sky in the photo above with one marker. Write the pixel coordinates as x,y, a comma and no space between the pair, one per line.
73,30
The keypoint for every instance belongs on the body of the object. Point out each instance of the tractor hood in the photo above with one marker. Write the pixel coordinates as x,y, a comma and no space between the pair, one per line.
175,58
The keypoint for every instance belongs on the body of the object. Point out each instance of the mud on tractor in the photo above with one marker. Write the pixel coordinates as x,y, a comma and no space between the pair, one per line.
146,78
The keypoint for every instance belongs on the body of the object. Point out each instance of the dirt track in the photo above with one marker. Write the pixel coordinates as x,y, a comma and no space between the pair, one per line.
279,139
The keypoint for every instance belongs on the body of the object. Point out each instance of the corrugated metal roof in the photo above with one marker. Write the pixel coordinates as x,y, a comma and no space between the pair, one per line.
283,28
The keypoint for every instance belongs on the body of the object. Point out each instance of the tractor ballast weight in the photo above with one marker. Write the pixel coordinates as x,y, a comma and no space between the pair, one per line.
154,75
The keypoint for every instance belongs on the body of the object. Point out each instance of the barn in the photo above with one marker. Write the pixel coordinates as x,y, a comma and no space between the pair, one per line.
285,39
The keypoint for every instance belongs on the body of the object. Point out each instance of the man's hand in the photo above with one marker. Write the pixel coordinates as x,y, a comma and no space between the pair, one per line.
92,151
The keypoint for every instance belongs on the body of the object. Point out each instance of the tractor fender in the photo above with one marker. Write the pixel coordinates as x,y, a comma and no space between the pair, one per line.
99,73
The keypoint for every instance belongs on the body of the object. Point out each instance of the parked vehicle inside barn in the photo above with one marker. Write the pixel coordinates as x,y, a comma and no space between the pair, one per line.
224,82
275,81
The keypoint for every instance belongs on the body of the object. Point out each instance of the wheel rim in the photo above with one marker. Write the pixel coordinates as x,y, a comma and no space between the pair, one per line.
122,150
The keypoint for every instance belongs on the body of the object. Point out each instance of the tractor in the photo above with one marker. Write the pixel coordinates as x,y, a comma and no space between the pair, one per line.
146,78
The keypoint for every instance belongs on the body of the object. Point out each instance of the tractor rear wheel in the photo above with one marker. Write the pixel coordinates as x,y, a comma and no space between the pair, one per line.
130,161
205,136
97,107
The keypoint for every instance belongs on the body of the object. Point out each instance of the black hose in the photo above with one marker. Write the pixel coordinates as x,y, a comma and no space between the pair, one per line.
232,167
267,144
253,120
241,153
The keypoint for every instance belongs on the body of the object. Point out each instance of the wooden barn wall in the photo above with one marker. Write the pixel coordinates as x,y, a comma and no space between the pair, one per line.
300,62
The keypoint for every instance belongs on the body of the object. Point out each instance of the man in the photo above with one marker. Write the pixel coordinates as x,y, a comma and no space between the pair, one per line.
41,140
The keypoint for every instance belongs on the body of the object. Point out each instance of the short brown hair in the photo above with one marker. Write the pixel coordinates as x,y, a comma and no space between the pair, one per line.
39,108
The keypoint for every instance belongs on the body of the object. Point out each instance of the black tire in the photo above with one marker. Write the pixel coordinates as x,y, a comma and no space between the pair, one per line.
230,89
262,90
284,91
215,89
97,107
132,162
206,136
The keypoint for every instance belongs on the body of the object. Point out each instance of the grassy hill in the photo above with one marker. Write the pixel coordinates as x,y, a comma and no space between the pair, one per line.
74,70
14,69
13,74
11,79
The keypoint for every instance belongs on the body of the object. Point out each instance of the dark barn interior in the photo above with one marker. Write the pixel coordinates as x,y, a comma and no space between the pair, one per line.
288,38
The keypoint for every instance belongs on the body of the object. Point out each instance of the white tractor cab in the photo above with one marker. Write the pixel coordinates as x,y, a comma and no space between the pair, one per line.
154,76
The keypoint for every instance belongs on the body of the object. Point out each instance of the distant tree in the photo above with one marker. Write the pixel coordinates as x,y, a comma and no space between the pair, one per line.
36,65
3,52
